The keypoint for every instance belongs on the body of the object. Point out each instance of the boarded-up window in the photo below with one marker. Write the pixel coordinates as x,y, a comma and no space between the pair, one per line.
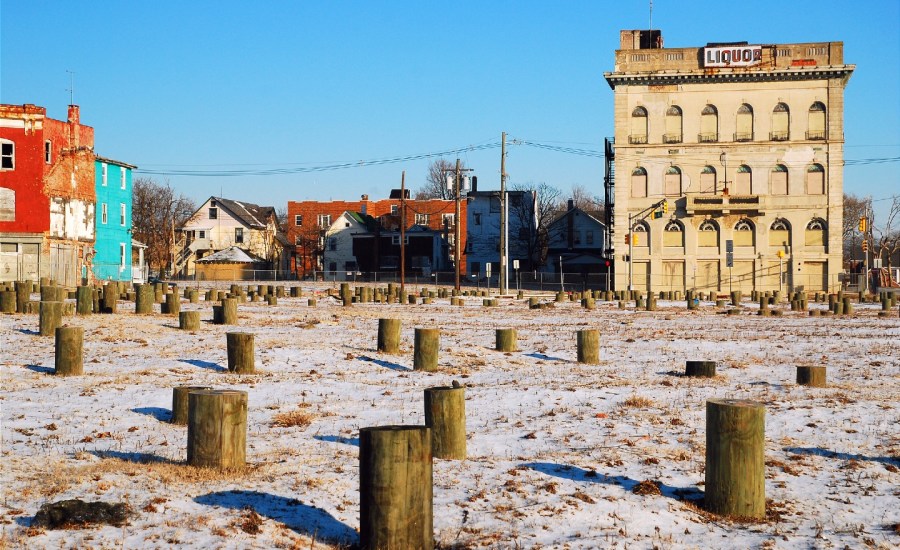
673,181
744,123
815,276
743,233
639,182
7,205
815,233
780,234
743,181
815,180
816,121
781,121
673,234
707,277
708,234
708,180
673,125
779,180
638,130
673,275
641,235
709,125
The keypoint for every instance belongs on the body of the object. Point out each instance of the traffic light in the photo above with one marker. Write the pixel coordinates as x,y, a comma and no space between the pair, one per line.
634,239
865,246
657,214
862,225
665,206
627,238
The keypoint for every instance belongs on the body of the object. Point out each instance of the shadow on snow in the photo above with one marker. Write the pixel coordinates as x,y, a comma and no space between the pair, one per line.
575,473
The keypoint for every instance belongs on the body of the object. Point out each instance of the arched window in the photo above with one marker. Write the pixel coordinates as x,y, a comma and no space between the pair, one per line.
639,182
709,125
743,181
744,124
816,121
638,130
779,177
643,238
815,180
743,233
781,123
673,234
780,233
673,125
815,232
708,180
673,181
708,234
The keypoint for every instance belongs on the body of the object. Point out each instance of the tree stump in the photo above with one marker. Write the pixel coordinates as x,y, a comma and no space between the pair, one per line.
84,300
735,462
588,346
296,292
701,369
144,299
395,488
180,402
311,302
389,335
50,317
426,348
848,306
23,295
7,301
533,302
69,360
506,339
109,303
229,311
217,429
189,320
347,300
811,376
272,299
445,414
241,353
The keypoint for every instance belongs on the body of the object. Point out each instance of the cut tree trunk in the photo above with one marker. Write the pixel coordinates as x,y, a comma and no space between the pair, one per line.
389,335
50,317
180,402
189,320
69,360
811,376
84,300
427,346
507,339
217,429
702,369
240,352
445,414
735,461
588,346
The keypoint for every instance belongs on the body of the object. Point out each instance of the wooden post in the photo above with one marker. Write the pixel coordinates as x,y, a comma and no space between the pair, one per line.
426,347
23,295
272,299
229,311
180,402
84,299
7,301
144,299
241,354
50,317
69,348
811,376
110,298
506,339
588,346
702,369
395,488
189,320
389,335
173,304
445,414
735,462
311,302
217,429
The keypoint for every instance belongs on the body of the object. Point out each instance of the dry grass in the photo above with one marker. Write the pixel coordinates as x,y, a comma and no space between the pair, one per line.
637,402
292,419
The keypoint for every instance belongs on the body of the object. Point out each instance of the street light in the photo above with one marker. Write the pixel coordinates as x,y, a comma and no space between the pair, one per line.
459,183
723,159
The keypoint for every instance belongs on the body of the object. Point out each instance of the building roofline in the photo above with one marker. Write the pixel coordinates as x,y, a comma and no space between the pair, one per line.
702,76
116,162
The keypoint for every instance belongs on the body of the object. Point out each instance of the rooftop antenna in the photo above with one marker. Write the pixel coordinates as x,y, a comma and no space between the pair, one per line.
71,88
651,15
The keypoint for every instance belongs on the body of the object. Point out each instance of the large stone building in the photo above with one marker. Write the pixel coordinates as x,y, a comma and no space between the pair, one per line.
744,145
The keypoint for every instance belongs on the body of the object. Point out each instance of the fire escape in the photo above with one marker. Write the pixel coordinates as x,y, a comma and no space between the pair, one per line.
609,185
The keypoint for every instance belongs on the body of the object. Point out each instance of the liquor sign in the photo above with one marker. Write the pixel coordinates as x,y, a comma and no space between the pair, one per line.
732,56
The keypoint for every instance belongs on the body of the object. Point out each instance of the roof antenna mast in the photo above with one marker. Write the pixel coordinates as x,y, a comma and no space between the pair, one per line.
651,15
71,89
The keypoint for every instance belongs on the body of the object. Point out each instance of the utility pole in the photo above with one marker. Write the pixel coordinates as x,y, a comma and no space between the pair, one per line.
504,221
403,231
457,185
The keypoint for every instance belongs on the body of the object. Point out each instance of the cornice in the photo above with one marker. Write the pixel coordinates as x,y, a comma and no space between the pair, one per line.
710,76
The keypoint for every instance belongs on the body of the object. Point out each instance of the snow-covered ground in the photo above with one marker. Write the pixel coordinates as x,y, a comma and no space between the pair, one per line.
555,447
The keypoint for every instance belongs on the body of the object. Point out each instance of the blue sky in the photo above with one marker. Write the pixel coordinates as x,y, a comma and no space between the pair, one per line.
235,86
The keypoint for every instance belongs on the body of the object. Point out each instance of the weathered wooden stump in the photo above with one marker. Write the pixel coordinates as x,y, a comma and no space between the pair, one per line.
23,295
811,376
588,346
229,311
506,339
311,302
445,414
389,335
395,488
69,356
50,317
217,429
189,320
110,300
272,299
533,302
426,348
735,462
144,299
701,369
848,306
7,301
180,402
296,292
173,304
241,353
84,300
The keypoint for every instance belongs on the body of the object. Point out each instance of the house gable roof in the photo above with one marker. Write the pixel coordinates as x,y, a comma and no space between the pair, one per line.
249,214
231,255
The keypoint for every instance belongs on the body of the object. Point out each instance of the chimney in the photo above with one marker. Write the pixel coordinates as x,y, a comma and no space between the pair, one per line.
571,204
474,184
73,114
364,204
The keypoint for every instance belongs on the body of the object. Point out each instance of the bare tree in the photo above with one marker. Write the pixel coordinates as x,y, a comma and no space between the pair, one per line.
542,212
156,211
886,236
435,186
584,199
281,219
851,237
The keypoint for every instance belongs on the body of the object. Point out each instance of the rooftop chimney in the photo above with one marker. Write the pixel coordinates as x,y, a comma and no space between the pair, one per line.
73,114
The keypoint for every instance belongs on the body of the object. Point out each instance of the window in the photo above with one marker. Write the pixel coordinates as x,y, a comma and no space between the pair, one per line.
815,232
673,125
48,151
780,233
324,221
709,125
744,123
495,205
238,234
122,214
298,240
743,181
201,234
7,205
780,123
447,219
708,180
104,172
641,235
474,268
395,239
122,174
815,180
422,219
395,210
589,237
708,234
816,121
779,177
298,219
332,266
743,233
673,181
122,254
103,213
638,133
332,244
9,247
673,234
476,218
213,213
7,155
576,237
639,182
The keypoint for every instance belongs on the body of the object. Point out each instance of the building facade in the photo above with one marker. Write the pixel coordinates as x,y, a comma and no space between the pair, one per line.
742,146
47,195
112,245
483,223
577,242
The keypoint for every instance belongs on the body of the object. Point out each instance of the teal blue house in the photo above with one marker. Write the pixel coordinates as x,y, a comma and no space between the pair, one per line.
112,248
